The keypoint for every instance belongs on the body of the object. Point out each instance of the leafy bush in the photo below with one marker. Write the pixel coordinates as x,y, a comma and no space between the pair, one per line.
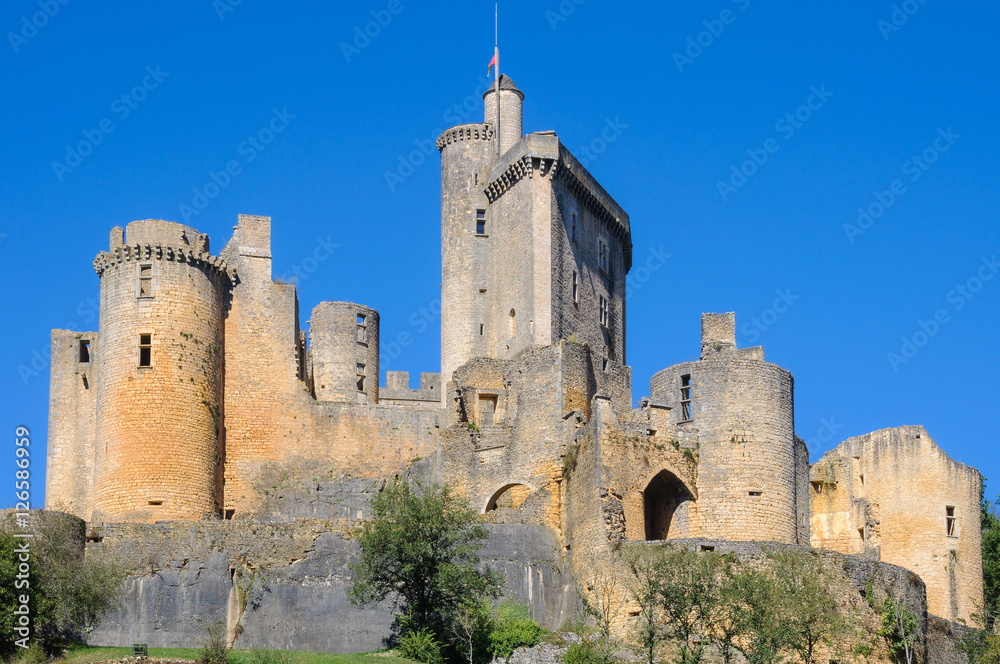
35,654
215,650
513,628
420,646
586,652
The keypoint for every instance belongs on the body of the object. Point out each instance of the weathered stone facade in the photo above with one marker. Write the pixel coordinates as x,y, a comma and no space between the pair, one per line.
201,400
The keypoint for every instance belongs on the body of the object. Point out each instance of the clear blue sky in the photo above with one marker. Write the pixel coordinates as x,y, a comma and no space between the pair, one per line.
683,125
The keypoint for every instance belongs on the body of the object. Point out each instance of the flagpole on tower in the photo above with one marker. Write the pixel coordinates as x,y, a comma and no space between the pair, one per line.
496,56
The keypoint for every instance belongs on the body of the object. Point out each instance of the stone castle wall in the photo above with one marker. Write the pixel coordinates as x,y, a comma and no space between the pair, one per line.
157,426
344,338
741,425
892,494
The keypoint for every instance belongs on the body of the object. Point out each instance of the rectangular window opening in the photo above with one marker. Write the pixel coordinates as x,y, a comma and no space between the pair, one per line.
755,494
487,409
361,378
817,487
951,521
481,326
602,254
576,289
480,222
145,350
686,398
156,502
362,329
708,547
84,350
145,281
603,312
230,514
572,231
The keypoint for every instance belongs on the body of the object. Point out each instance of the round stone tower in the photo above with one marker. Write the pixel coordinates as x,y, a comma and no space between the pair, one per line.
343,338
465,160
158,449
510,111
737,410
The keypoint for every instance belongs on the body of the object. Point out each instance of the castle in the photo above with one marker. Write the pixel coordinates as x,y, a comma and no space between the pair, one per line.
200,388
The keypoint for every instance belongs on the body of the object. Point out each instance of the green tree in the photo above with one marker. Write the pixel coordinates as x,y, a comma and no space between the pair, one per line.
805,596
645,566
762,633
689,595
69,592
898,625
990,523
419,548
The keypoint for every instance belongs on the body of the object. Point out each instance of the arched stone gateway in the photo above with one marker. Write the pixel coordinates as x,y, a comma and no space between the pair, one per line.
664,494
508,496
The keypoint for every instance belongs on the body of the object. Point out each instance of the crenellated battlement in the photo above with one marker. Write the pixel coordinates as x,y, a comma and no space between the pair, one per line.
145,252
476,131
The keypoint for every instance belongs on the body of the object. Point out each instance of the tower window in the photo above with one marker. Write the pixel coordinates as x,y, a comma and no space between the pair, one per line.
481,329
361,378
951,522
480,222
602,254
512,323
576,289
686,398
145,350
145,281
572,228
84,350
487,409
602,304
362,329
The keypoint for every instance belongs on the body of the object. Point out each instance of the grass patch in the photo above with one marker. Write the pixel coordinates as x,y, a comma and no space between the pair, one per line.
80,654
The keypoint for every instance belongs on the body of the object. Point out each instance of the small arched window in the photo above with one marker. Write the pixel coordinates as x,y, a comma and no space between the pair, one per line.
513,326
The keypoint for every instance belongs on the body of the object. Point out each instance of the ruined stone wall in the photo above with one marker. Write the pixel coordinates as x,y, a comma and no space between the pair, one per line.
741,427
157,452
889,493
397,390
69,465
344,339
